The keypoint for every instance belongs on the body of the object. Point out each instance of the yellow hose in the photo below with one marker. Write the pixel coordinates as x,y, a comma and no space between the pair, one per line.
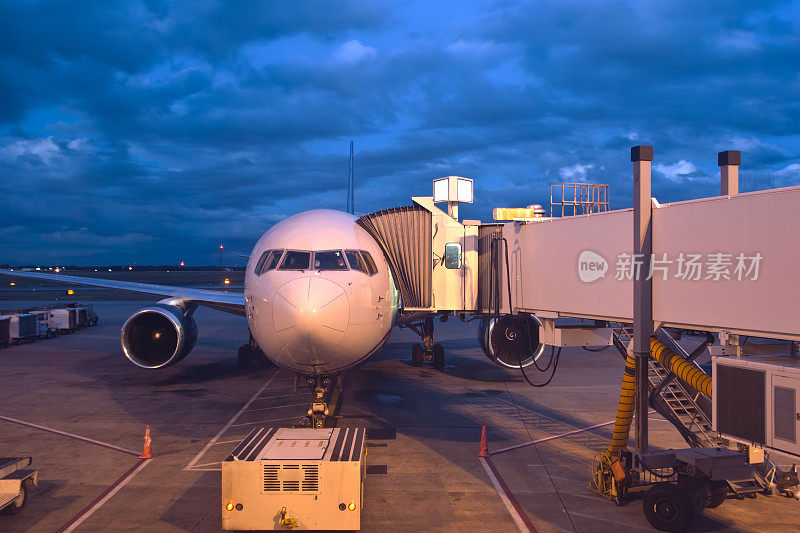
603,481
622,424
684,370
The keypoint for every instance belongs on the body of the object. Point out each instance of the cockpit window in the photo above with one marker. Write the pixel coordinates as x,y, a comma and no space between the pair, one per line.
272,263
371,268
356,263
329,260
260,265
294,260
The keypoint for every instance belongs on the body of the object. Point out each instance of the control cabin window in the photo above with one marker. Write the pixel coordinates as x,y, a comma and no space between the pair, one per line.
452,255
272,262
329,260
356,263
260,264
268,261
294,260
370,264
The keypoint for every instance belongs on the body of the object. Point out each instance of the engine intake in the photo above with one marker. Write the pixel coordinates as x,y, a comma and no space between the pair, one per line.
511,339
158,336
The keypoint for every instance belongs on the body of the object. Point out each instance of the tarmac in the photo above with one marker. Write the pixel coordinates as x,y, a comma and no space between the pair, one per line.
79,408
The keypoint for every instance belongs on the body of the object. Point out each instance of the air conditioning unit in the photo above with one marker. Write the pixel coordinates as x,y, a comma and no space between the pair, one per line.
288,478
757,401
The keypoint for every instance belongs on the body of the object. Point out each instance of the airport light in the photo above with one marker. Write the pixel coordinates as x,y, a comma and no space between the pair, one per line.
454,190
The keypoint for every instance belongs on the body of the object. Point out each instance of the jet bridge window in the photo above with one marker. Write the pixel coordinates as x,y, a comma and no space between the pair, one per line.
452,255
370,264
329,260
295,260
356,263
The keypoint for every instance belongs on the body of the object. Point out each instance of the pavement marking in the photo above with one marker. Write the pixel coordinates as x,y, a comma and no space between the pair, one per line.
273,397
229,424
625,525
514,508
553,437
275,407
106,495
70,435
266,421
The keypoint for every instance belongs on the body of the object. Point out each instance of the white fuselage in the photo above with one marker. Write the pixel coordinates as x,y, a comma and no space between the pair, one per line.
326,314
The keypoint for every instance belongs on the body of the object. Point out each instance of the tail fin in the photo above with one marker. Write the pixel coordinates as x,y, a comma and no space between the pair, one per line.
351,207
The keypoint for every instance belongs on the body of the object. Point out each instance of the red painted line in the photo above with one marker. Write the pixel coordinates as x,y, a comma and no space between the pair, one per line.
70,435
522,514
105,493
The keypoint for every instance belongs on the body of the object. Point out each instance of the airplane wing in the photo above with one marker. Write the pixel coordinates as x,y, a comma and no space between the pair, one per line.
229,302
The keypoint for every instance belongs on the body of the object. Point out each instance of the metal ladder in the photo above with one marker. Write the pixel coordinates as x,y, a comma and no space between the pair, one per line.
682,409
681,405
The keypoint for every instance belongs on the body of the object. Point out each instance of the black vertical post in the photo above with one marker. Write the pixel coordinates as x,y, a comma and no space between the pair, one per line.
641,156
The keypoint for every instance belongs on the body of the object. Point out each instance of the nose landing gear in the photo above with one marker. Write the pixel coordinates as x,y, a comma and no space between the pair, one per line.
428,350
323,404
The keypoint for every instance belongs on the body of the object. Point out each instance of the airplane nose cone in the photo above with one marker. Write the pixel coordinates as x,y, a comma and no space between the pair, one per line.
310,313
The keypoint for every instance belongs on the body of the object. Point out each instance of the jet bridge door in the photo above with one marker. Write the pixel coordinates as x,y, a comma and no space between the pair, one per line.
404,234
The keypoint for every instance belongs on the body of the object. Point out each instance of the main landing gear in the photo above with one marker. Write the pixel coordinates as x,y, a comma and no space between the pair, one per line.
428,350
251,356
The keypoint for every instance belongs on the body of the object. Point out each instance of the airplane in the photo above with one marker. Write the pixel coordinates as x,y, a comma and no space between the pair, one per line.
319,298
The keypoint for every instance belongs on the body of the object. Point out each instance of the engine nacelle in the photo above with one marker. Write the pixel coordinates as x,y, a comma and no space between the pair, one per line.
159,335
511,339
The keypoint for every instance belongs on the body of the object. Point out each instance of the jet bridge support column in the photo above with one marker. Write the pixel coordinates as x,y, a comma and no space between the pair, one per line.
641,156
729,162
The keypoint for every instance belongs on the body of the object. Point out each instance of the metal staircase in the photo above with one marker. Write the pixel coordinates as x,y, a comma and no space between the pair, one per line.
672,399
684,407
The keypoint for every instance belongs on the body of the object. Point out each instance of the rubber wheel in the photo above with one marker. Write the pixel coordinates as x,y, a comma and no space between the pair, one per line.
245,358
438,357
717,494
668,508
17,505
416,355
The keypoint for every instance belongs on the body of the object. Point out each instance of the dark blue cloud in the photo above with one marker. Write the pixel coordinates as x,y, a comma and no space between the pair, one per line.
148,132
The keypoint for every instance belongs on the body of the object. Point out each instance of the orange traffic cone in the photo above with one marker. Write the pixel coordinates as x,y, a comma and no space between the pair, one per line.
484,451
147,452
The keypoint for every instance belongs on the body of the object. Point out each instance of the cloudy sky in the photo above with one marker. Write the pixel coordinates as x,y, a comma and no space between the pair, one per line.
149,132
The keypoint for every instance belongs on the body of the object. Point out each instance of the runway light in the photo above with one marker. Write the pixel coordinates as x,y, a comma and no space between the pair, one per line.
229,506
12,283
352,507
70,292
227,281
58,270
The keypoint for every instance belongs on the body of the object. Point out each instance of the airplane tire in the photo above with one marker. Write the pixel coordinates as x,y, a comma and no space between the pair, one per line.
417,357
668,507
246,358
438,357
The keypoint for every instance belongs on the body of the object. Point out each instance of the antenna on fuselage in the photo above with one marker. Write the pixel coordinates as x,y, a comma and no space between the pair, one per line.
351,207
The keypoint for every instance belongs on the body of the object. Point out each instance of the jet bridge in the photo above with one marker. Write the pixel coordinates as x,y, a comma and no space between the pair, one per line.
724,267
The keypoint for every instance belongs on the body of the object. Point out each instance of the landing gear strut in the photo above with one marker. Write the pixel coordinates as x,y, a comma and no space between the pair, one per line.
428,350
325,395
251,356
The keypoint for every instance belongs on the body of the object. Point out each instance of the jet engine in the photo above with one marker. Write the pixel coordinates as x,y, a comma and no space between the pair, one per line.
511,340
159,335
